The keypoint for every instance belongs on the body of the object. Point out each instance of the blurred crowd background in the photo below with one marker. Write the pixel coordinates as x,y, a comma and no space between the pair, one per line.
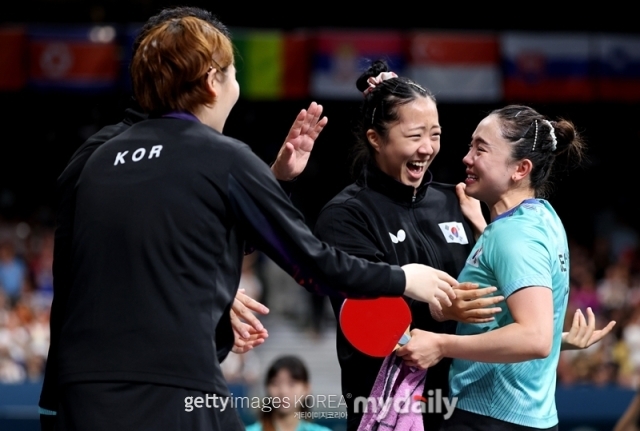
63,75
605,277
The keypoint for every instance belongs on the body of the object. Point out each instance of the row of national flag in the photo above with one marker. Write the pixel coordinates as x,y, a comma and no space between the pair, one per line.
457,67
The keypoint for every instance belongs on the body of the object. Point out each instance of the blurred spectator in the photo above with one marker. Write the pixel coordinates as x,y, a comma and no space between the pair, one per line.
39,332
34,367
10,371
631,337
13,271
605,374
287,386
566,372
14,338
41,263
241,369
583,292
25,308
582,278
4,308
613,289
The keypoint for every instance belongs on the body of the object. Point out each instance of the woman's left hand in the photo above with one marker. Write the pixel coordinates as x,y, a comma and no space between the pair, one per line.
248,331
422,350
583,332
243,343
242,316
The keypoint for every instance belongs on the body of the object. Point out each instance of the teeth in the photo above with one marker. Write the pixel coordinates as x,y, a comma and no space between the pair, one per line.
472,177
421,164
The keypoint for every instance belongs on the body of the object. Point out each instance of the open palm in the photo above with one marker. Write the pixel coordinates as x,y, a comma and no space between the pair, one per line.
295,152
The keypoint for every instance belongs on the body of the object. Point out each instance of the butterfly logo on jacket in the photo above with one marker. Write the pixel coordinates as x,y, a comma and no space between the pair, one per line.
399,237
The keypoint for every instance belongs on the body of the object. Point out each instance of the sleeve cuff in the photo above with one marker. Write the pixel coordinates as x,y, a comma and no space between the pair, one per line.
46,412
398,281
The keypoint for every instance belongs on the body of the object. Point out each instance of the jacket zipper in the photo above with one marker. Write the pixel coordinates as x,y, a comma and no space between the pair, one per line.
431,251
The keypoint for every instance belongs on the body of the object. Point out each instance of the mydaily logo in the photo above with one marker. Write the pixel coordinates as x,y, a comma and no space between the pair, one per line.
433,403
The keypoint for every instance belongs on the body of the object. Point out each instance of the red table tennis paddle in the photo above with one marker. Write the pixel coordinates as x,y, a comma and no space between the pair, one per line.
376,327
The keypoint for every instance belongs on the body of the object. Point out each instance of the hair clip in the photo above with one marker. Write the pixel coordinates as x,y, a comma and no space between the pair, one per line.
375,81
552,133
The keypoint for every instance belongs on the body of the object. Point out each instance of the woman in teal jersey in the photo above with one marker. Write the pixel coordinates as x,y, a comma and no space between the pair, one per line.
498,381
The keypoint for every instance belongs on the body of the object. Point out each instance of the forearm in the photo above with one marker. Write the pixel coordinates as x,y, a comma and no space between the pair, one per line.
511,343
275,227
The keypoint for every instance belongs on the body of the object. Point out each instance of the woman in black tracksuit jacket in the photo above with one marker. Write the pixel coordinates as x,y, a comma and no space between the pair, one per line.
162,215
396,213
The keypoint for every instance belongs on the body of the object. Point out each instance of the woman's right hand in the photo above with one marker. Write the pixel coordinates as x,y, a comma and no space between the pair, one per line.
430,285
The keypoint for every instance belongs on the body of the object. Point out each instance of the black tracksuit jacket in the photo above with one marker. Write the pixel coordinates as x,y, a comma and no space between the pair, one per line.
380,219
65,209
162,215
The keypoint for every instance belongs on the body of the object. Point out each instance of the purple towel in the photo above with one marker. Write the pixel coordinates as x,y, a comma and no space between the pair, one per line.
397,391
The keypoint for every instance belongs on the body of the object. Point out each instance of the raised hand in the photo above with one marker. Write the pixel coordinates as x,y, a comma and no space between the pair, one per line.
583,332
294,154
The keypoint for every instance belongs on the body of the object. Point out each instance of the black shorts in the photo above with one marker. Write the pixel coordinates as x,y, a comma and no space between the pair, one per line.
126,406
462,420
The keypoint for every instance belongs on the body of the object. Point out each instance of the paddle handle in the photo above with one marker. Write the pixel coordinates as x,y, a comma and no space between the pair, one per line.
404,339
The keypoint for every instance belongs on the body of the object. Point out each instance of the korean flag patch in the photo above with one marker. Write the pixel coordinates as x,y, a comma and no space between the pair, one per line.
475,257
454,232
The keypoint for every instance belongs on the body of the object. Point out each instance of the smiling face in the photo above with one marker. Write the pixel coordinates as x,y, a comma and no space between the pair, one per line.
411,143
490,167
